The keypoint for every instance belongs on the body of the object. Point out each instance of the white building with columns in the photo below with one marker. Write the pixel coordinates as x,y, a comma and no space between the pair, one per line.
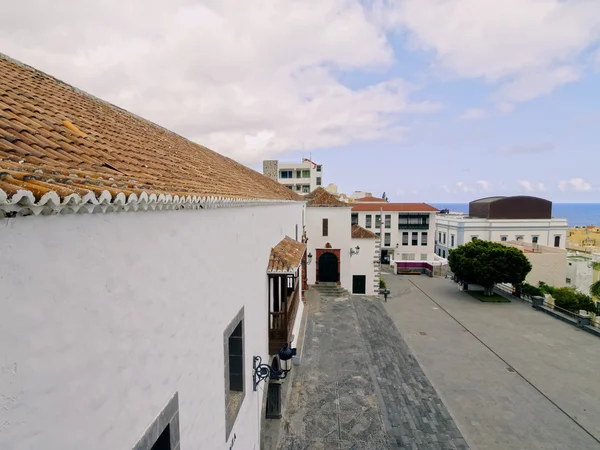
501,219
136,290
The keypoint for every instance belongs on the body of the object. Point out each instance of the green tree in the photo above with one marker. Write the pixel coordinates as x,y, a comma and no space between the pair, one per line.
595,287
487,263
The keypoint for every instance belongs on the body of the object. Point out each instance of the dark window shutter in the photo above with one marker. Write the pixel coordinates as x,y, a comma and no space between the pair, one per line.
325,227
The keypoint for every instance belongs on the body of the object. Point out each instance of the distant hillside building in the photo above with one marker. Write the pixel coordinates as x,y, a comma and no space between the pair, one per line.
501,219
302,178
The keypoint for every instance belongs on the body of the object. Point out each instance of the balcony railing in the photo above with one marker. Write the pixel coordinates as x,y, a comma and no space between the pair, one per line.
413,226
281,323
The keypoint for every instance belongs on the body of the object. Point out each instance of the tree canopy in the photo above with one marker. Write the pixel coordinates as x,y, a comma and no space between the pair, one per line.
595,289
487,263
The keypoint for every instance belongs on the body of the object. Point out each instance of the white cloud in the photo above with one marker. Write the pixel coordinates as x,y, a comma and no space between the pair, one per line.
479,186
526,186
249,79
524,149
483,185
530,85
574,184
532,45
473,114
531,186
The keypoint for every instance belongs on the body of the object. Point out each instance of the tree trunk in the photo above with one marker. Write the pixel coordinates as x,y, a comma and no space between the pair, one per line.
488,290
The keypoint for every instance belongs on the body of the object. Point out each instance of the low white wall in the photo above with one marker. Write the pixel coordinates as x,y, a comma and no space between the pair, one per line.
105,316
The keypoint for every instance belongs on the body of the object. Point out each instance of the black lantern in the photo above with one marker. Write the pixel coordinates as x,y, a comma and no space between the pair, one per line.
279,370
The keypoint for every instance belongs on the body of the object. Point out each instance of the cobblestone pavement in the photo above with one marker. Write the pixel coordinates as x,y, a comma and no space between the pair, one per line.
359,387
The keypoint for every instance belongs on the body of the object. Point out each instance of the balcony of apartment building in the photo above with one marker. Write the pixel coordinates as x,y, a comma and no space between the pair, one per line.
284,290
413,221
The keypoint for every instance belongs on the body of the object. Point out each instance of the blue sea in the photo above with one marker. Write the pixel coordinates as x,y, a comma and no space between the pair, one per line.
577,214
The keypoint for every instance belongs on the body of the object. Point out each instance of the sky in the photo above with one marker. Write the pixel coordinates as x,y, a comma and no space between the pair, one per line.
427,100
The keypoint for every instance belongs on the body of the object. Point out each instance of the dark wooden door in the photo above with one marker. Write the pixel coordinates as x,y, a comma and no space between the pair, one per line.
359,284
328,267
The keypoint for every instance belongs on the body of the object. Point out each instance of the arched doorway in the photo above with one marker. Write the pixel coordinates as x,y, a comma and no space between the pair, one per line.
328,267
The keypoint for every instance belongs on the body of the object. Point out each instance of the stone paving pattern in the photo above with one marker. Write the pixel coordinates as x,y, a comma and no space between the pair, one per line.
359,387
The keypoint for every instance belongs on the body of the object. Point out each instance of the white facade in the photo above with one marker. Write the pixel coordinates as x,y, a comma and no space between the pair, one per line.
581,273
106,316
452,230
401,242
366,263
548,264
302,178
338,237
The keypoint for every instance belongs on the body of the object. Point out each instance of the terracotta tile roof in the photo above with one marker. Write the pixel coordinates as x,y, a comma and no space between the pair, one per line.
321,197
370,200
359,232
394,207
55,138
286,256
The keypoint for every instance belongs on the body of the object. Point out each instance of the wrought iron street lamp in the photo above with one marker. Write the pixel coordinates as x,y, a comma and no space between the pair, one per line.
281,366
354,251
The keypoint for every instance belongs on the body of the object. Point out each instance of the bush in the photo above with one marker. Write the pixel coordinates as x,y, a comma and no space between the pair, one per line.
571,300
382,284
530,290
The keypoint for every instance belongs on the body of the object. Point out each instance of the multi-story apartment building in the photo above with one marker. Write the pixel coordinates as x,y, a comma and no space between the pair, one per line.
501,219
405,229
301,178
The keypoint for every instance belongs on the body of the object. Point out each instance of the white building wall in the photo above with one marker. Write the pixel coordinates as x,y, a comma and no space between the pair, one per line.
105,317
580,274
464,229
310,181
396,248
339,236
366,263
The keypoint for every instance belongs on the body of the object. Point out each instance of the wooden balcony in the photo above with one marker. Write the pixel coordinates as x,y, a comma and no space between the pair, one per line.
284,295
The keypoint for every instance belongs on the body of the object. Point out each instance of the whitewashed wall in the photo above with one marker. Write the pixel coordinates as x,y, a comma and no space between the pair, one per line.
339,236
366,263
581,274
104,317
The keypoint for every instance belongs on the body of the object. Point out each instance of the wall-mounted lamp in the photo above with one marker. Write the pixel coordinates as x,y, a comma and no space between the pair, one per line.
397,245
308,260
354,251
279,370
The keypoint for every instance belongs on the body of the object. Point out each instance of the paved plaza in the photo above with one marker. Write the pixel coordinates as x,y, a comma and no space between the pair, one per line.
434,368
511,377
